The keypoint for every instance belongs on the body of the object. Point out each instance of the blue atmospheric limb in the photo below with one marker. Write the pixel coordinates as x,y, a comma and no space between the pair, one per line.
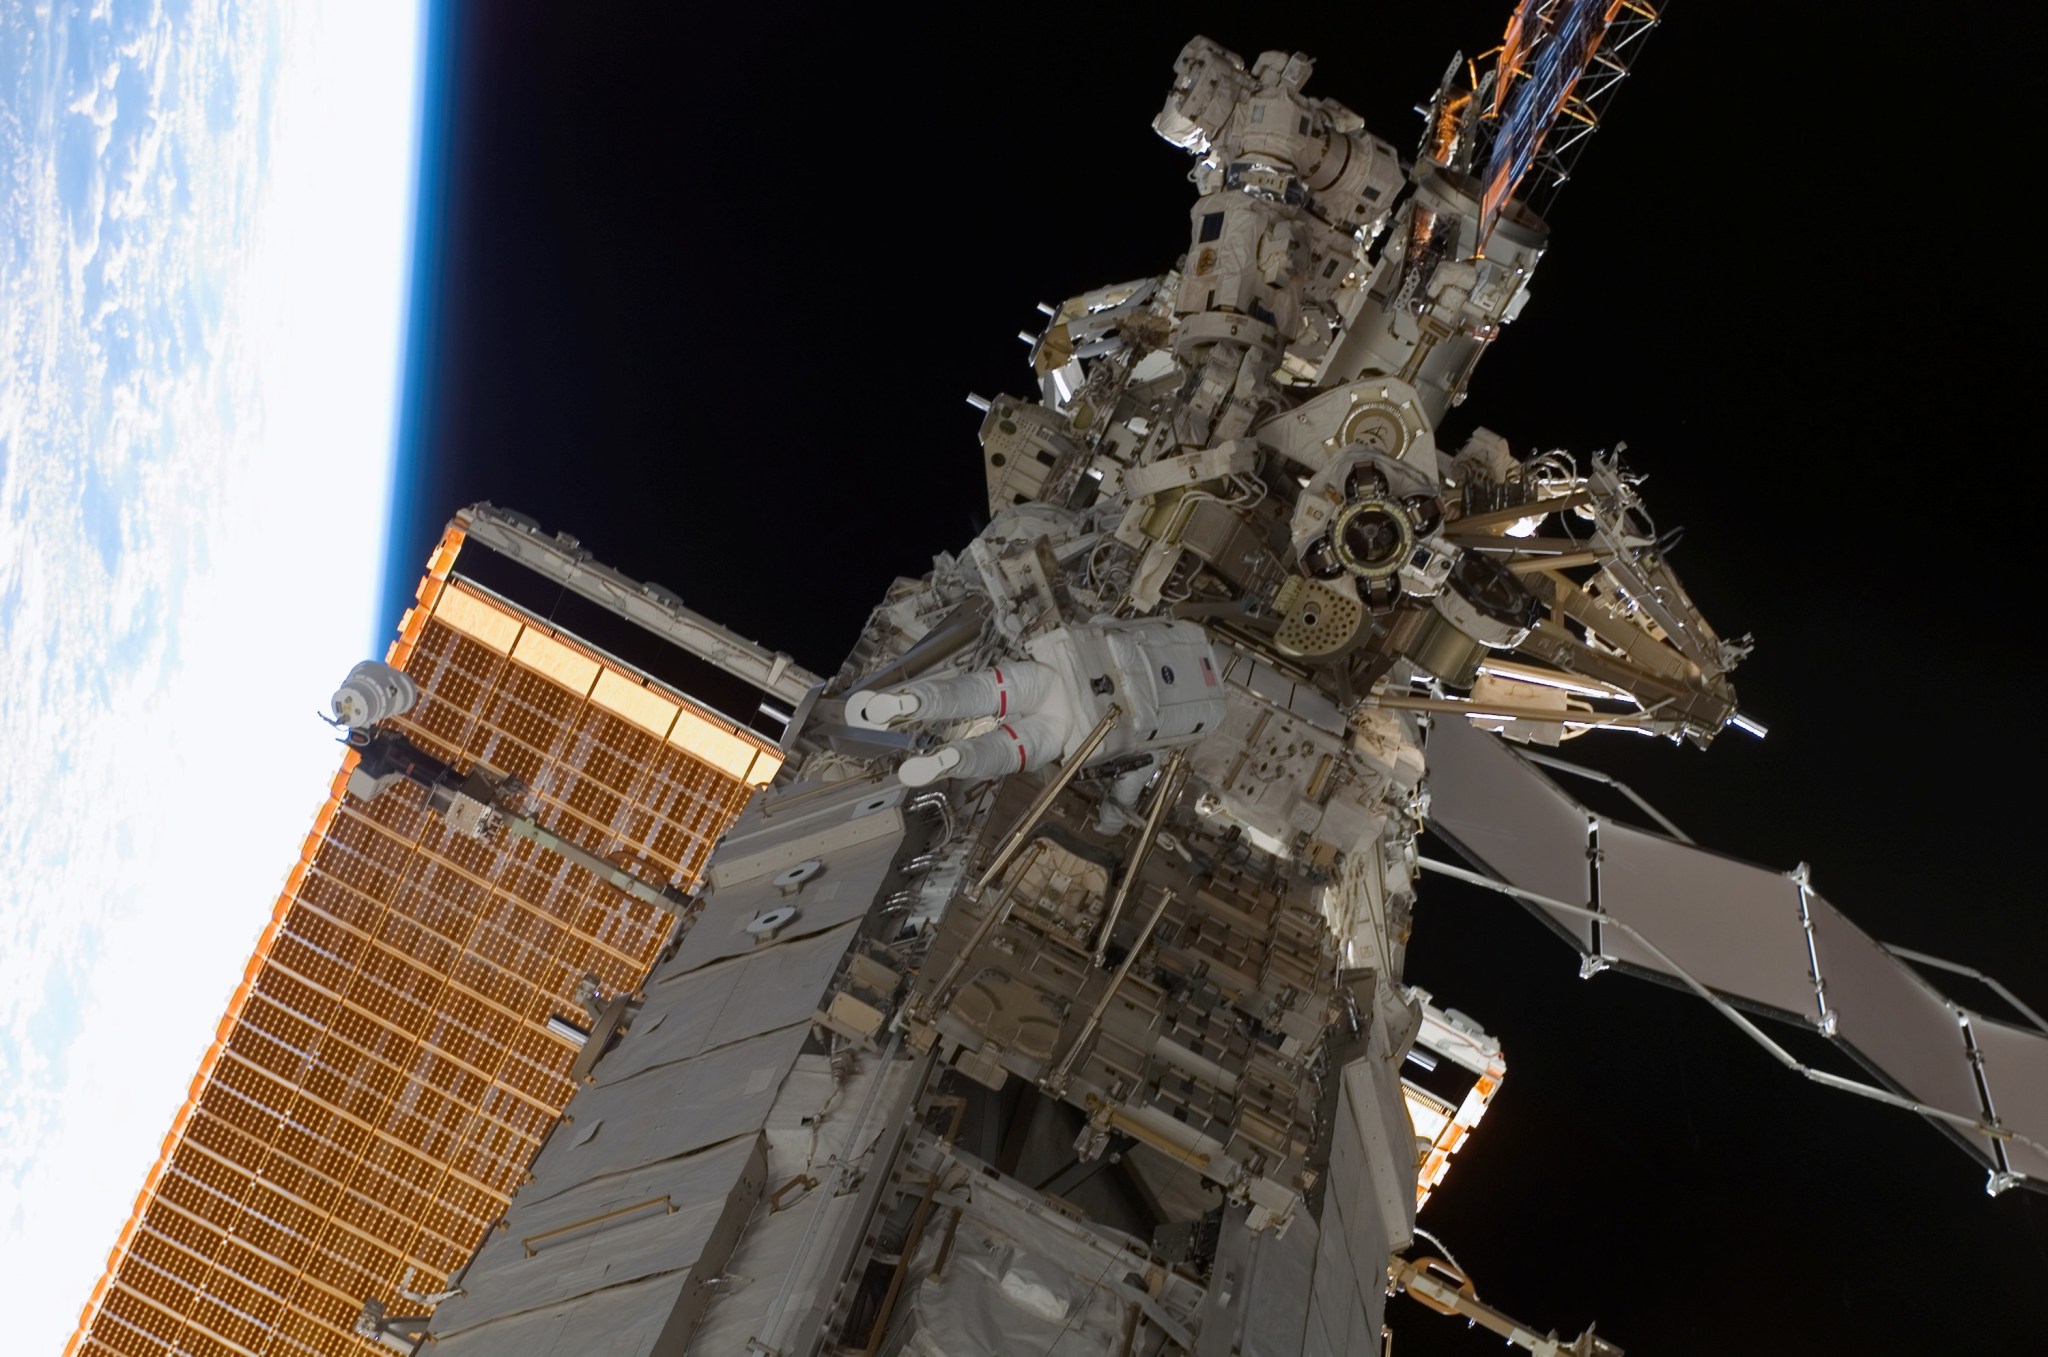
411,524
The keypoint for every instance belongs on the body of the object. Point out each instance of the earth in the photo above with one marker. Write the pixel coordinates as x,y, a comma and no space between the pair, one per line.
203,270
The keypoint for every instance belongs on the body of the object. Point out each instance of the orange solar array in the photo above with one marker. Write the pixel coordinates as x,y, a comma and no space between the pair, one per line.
384,1074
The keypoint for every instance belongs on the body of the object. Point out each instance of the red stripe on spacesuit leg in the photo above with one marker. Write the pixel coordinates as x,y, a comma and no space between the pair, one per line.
1020,747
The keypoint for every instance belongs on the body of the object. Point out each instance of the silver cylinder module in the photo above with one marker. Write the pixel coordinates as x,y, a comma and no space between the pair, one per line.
373,691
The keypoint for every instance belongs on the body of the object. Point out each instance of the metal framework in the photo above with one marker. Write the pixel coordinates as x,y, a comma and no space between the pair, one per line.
563,560
1552,77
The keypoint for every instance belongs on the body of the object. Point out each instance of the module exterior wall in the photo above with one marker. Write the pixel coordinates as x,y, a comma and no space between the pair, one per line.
804,1244
630,1323
1276,1291
697,1011
1368,1209
548,1255
1336,1310
674,1112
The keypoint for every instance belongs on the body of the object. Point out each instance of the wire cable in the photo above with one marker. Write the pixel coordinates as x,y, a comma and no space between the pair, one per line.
1444,1249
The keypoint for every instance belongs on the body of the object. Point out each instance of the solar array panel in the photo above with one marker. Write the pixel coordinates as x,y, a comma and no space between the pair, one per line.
1763,939
385,1074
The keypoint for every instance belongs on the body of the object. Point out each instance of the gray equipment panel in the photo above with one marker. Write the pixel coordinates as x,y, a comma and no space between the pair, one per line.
1511,817
737,998
1735,928
677,1109
561,1278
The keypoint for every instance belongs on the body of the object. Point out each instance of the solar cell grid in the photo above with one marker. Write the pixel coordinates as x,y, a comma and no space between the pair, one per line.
166,1258
440,1258
280,1024
296,997
176,1231
429,911
522,1076
132,1305
404,936
392,1193
215,1318
374,1039
461,866
385,1076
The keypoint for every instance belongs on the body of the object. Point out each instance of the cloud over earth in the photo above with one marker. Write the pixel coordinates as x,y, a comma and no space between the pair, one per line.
203,250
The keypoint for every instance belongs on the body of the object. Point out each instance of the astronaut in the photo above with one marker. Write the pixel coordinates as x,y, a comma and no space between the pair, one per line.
1161,675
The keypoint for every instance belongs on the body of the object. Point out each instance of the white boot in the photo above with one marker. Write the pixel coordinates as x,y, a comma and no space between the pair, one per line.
881,711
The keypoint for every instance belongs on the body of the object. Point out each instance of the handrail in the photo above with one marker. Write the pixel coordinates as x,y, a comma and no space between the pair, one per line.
528,1241
1013,842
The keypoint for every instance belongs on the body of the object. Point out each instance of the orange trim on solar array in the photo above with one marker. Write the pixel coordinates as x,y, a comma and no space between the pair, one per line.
438,566
383,1073
321,820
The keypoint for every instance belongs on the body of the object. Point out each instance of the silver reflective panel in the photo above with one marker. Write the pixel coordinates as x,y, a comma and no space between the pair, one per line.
2016,1070
1511,817
1734,927
1894,1019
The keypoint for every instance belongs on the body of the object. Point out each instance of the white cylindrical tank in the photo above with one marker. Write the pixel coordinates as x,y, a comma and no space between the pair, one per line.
373,691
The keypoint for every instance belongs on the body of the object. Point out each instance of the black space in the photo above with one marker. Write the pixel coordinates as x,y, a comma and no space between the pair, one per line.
709,295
